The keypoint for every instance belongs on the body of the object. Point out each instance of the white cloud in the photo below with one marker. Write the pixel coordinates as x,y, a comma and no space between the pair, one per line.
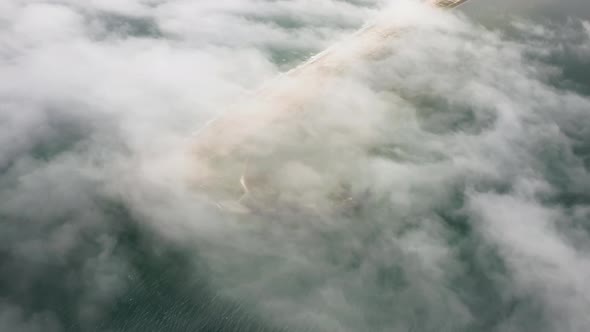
370,209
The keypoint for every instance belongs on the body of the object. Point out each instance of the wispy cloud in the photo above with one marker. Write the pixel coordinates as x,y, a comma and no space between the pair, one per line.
439,185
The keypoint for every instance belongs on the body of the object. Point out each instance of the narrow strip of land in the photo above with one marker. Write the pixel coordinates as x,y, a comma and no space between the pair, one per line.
290,92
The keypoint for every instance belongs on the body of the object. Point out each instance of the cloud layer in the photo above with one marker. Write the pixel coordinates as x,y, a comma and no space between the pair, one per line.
441,185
